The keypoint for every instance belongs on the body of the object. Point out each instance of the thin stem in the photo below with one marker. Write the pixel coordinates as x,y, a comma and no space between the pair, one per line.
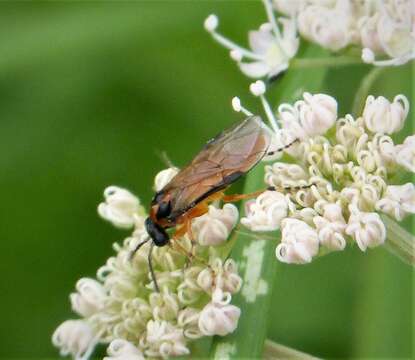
272,20
273,350
399,242
333,61
364,89
233,46
270,114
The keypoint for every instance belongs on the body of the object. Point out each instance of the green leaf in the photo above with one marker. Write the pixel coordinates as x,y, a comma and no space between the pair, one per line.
274,351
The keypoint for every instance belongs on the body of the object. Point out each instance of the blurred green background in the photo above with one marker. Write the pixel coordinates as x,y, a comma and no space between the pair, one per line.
90,95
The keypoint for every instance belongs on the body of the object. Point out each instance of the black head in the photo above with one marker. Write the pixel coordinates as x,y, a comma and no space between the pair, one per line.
156,232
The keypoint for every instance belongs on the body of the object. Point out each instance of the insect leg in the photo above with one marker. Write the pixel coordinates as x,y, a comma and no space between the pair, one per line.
137,247
150,267
290,188
282,148
237,197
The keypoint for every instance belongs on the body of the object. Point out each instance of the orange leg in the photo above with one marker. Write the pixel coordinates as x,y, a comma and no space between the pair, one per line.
237,197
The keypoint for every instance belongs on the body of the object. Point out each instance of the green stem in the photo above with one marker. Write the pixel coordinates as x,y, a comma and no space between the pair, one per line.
256,260
365,87
273,350
399,241
324,62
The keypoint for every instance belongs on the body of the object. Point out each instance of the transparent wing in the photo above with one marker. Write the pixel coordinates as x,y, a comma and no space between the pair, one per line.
222,161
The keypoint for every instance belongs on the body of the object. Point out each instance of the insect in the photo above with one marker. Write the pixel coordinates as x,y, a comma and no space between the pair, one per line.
221,162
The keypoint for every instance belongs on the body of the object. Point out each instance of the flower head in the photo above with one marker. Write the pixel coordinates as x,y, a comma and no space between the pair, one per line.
122,307
339,178
271,46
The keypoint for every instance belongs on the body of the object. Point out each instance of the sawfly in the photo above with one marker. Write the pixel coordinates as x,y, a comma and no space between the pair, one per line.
221,162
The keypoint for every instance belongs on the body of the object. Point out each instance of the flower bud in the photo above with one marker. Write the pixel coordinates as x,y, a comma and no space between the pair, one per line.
219,317
214,227
367,229
74,337
119,207
382,116
266,212
164,177
120,349
299,242
89,297
317,113
398,201
405,153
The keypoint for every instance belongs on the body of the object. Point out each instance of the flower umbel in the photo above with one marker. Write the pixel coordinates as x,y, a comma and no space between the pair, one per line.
121,308
383,30
340,178
272,45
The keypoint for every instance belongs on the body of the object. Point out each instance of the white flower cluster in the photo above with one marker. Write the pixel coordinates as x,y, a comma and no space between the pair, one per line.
121,308
340,181
384,28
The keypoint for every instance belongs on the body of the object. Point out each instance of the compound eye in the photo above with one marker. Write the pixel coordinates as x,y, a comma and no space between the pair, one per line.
164,210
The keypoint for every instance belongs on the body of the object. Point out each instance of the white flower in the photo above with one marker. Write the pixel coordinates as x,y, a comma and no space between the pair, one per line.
164,177
405,153
287,7
283,174
309,117
119,207
383,150
271,48
317,113
382,116
120,349
398,201
266,212
219,317
330,227
220,275
74,337
89,298
367,229
389,31
329,27
214,227
165,340
299,242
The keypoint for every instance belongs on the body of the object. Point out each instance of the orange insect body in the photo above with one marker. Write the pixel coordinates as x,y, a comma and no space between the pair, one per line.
222,161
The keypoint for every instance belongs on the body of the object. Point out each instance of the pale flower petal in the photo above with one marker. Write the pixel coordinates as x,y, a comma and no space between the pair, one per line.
266,212
220,275
120,349
398,201
317,113
260,41
405,153
255,69
382,116
165,340
119,207
299,242
89,298
330,227
214,227
75,338
219,317
164,177
367,229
